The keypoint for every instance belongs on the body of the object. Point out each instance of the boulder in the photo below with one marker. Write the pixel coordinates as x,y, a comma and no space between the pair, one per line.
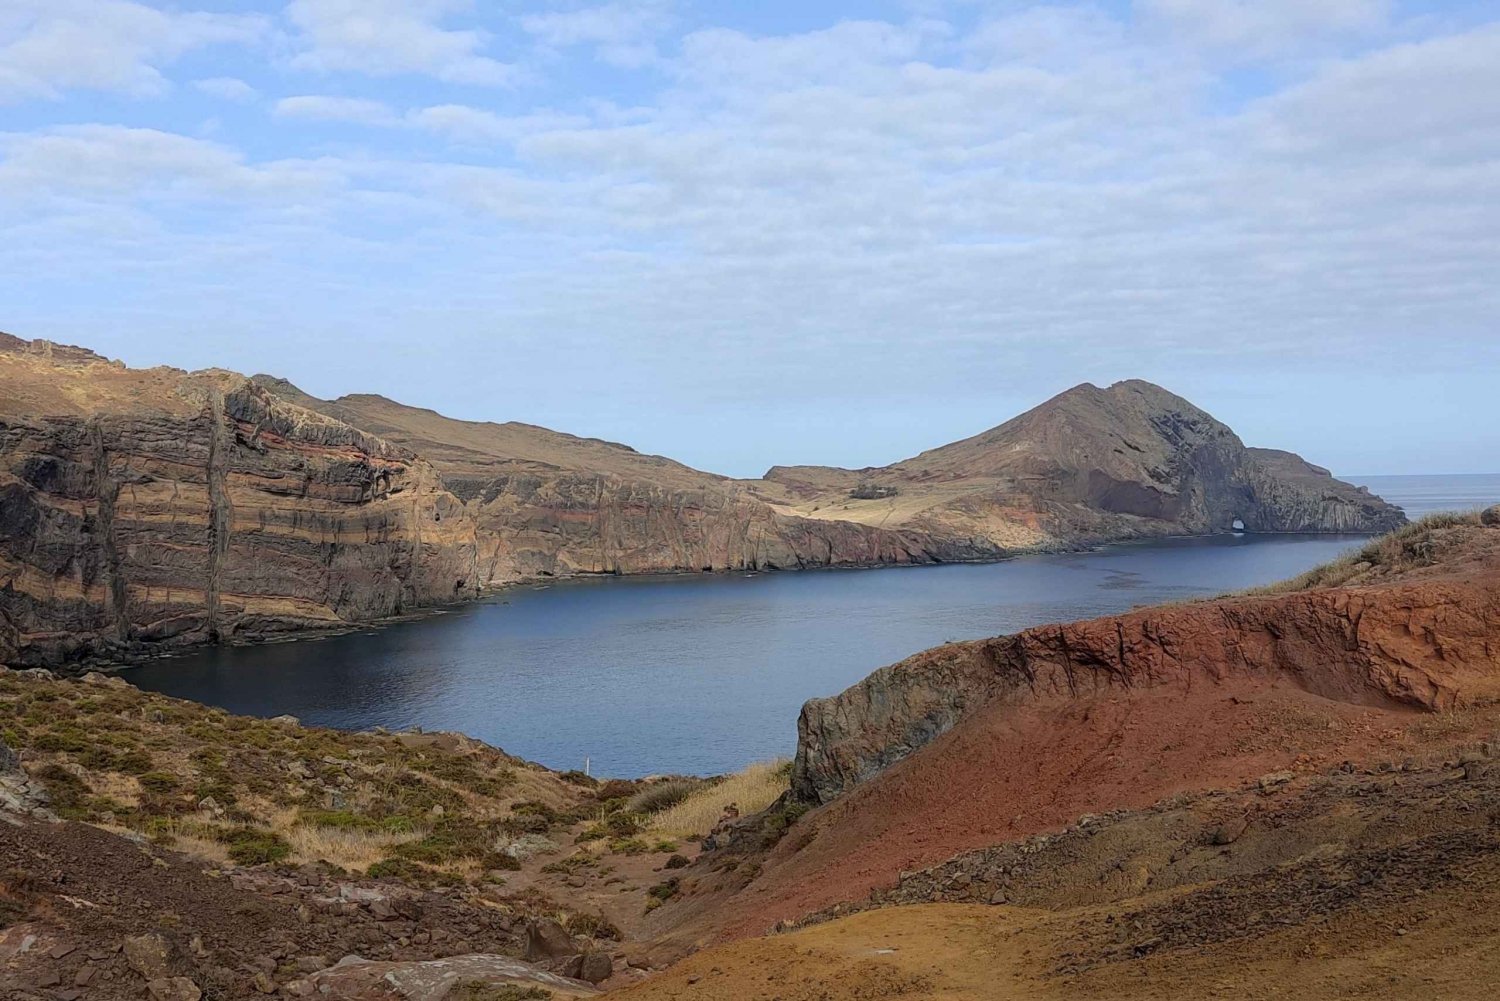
10,761
596,967
147,955
547,940
433,980
1490,516
174,989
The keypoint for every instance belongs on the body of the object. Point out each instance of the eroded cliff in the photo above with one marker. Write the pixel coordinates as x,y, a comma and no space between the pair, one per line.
549,503
164,507
158,506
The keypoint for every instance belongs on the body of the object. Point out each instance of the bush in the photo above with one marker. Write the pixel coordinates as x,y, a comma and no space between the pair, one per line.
629,846
662,795
450,841
69,793
480,990
255,846
407,871
503,861
592,926
872,491
158,782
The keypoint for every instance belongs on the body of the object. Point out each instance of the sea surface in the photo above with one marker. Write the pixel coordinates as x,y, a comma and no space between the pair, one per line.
703,674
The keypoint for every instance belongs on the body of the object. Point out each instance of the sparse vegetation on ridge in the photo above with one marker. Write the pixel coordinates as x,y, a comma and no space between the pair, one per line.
426,807
1418,544
751,791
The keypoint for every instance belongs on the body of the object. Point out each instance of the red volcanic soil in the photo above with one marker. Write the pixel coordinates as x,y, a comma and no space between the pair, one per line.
1018,766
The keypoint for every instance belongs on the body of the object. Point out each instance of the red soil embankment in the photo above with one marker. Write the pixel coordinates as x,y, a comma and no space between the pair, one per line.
1118,713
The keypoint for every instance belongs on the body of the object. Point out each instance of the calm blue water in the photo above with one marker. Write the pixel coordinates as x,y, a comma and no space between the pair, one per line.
702,674
1419,495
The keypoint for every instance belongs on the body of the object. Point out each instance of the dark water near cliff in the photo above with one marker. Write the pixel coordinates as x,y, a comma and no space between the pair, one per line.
703,674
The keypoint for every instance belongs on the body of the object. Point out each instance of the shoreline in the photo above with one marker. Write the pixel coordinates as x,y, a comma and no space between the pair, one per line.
152,655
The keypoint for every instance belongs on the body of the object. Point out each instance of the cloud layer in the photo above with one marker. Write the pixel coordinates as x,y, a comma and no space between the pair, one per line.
855,238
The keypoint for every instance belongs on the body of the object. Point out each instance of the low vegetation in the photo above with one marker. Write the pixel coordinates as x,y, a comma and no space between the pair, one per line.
1419,544
873,491
427,808
750,791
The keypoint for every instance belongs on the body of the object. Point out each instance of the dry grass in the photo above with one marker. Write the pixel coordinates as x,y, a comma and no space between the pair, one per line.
351,849
752,790
1421,543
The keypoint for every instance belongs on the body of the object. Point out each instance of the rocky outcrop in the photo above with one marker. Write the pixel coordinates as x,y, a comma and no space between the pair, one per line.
1424,641
162,507
1090,465
1293,495
155,507
548,503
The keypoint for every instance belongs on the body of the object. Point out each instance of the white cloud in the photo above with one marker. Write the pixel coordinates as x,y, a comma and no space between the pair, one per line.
111,161
50,46
465,124
392,37
317,107
1051,196
622,33
1261,28
228,88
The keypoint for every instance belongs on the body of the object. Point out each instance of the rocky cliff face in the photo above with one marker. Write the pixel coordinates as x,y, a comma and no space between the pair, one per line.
1422,638
1090,465
163,507
549,503
145,508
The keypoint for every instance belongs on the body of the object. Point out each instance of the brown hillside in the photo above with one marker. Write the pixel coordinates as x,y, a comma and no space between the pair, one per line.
979,743
1128,460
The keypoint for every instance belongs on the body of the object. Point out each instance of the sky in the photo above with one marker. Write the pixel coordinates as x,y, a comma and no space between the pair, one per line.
744,234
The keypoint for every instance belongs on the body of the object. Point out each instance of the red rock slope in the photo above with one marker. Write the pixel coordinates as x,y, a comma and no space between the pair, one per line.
977,743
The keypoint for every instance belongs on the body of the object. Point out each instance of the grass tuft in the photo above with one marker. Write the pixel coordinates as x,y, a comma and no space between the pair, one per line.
751,791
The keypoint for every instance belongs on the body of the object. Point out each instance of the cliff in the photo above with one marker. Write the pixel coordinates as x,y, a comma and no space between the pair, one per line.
165,507
1130,460
156,506
552,503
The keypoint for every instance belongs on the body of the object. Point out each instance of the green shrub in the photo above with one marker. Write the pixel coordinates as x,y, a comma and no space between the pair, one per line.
68,793
255,846
629,846
136,762
69,739
410,872
502,861
662,795
592,926
347,820
666,890
450,841
571,864
158,782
